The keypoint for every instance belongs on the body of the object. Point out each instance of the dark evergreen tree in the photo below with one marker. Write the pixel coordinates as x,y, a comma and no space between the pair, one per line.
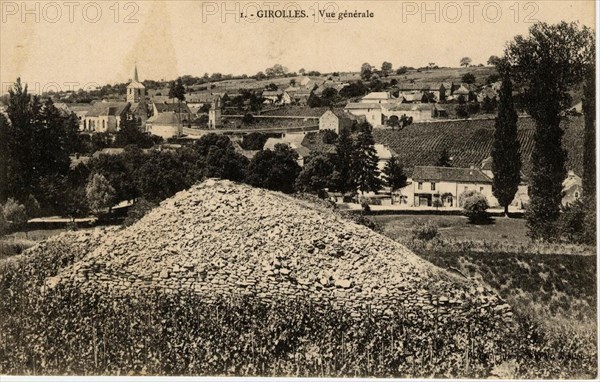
393,173
506,157
177,90
589,141
344,156
364,162
444,160
548,64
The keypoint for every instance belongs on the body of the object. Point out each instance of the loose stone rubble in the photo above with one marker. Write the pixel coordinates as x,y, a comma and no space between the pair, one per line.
222,239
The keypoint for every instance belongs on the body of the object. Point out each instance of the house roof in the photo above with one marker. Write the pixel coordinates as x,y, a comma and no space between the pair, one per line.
412,86
449,174
272,93
108,109
172,107
168,118
410,106
377,95
136,85
362,105
108,151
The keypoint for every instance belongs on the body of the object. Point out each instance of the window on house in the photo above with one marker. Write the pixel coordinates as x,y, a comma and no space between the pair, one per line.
432,186
480,189
420,186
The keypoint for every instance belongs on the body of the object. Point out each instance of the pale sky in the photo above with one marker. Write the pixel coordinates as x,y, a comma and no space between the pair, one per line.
172,38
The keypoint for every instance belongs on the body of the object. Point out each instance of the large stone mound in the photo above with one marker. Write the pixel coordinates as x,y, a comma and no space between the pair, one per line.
220,239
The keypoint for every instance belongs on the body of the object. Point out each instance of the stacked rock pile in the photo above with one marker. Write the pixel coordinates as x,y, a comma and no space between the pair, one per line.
221,239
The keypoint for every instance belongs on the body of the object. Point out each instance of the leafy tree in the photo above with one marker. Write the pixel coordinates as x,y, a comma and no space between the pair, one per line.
274,169
355,89
99,193
461,110
119,174
138,211
177,90
489,105
344,157
494,77
465,61
548,63
506,157
402,70
475,207
101,141
366,71
329,97
130,133
329,137
386,67
272,87
248,119
589,142
468,78
254,141
493,60
393,121
163,174
14,213
225,163
317,174
444,160
364,162
393,174
7,164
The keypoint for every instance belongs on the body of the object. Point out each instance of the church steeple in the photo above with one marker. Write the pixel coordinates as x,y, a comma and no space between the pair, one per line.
135,74
136,92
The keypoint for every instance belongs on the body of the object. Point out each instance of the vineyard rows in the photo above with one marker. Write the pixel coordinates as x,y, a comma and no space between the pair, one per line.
470,142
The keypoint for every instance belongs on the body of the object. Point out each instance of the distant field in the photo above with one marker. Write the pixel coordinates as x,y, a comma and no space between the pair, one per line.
548,282
470,142
456,227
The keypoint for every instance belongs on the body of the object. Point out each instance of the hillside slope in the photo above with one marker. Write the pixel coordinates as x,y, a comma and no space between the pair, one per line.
470,142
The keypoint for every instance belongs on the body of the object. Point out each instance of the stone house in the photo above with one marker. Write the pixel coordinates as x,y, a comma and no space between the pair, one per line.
373,112
429,184
336,120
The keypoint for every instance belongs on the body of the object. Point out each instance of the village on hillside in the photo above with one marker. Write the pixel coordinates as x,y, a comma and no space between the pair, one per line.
302,112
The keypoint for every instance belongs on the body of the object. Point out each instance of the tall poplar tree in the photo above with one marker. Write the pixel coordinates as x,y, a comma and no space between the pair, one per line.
365,160
506,158
344,156
549,63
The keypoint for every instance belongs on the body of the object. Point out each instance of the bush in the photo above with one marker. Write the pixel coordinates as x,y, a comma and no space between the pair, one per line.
15,213
138,211
329,137
461,111
475,207
577,222
365,207
425,231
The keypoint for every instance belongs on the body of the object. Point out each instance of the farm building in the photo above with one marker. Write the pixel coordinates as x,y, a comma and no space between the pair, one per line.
336,120
294,141
377,97
418,112
165,125
445,184
572,188
371,111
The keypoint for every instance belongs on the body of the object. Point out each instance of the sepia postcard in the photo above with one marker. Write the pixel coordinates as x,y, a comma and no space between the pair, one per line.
298,189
